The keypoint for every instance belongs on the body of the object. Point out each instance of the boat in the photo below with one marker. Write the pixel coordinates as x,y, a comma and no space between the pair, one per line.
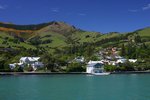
103,73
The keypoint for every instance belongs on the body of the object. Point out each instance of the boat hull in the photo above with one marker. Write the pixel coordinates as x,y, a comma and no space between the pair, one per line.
101,73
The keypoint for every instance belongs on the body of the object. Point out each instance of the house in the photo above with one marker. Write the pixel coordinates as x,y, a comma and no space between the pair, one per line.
95,67
108,58
12,66
118,57
37,65
112,63
79,59
90,62
121,61
133,60
28,61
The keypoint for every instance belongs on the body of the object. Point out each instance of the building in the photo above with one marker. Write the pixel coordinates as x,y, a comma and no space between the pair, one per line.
95,67
133,60
121,61
28,61
79,59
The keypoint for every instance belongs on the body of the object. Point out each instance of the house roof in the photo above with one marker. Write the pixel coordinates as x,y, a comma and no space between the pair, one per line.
133,60
30,58
93,62
98,64
95,65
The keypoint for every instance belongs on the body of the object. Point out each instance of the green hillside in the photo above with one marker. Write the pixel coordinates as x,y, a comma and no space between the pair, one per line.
60,42
144,32
58,34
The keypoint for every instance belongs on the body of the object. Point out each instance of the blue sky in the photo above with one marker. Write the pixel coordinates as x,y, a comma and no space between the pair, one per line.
93,15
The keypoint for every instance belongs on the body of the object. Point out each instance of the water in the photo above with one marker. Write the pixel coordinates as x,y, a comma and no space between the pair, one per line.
75,87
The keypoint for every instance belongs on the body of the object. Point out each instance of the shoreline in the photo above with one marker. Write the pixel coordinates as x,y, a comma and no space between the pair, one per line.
132,72
70,73
42,73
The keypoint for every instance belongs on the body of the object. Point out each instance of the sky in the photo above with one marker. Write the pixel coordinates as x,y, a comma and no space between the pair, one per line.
91,15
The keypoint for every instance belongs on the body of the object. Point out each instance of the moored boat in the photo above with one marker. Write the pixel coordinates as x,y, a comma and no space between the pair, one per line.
103,73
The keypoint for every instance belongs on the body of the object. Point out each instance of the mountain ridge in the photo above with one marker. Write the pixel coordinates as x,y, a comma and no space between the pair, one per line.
60,32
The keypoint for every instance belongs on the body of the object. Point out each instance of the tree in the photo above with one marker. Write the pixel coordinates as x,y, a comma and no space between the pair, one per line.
127,66
75,67
49,61
110,68
123,51
138,39
18,69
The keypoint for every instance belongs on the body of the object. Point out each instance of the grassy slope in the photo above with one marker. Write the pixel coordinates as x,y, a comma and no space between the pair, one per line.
144,32
59,37
59,33
4,35
58,40
86,36
110,35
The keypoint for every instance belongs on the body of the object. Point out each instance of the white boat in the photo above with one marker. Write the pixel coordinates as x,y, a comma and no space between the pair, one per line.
103,73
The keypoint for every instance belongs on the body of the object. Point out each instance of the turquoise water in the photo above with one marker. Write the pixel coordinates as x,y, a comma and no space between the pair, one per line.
75,87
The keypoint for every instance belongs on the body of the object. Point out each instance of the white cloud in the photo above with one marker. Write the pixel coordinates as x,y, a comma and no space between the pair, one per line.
82,14
56,10
2,7
133,10
146,7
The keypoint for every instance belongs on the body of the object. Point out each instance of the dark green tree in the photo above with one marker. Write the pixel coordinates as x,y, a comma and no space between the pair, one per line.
123,51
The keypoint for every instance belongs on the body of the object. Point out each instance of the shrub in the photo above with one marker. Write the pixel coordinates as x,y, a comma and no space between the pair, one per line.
75,67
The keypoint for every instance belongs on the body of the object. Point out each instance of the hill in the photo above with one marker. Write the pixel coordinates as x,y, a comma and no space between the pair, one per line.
52,34
60,42
58,34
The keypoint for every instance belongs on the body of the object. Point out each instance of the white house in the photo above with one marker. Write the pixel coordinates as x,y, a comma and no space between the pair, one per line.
37,65
12,66
95,67
90,62
29,61
133,60
79,59
121,60
112,63
118,57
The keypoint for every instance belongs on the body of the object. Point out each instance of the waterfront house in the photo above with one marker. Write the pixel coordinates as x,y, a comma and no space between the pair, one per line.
28,61
12,66
95,67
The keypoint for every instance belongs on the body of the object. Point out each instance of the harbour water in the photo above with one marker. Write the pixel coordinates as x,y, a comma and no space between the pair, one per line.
75,87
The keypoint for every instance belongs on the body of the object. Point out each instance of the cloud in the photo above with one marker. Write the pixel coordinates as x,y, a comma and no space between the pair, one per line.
56,10
133,10
82,14
146,7
2,7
